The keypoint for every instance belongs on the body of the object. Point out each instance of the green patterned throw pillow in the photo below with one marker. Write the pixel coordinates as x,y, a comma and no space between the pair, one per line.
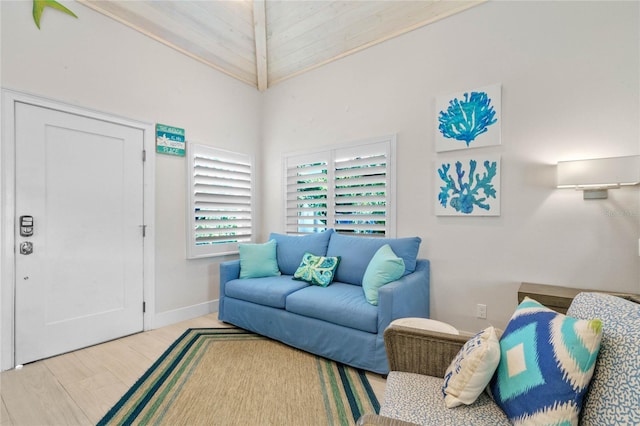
317,270
546,363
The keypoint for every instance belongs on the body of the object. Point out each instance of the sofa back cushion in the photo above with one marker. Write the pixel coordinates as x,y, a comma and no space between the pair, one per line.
613,396
357,252
291,248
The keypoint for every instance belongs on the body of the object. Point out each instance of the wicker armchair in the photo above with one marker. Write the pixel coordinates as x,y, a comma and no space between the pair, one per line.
419,358
422,352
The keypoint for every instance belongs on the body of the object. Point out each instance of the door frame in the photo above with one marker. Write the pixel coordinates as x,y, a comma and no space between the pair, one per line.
7,212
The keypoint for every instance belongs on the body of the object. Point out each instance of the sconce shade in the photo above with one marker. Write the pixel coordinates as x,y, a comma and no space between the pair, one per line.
600,173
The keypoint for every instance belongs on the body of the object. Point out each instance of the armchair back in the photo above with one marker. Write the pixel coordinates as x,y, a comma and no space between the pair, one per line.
613,396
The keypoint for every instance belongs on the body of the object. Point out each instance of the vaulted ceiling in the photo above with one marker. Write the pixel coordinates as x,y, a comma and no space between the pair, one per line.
262,42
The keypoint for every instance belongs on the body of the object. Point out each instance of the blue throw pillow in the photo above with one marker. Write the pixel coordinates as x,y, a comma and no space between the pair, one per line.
291,248
383,268
258,260
318,270
546,362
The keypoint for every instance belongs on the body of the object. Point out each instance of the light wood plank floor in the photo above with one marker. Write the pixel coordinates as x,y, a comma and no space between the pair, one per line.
79,387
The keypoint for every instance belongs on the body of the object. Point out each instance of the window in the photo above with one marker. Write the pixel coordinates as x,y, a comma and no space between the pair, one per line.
348,188
220,195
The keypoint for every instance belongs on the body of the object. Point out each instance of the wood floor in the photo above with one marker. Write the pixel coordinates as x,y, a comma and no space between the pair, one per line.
79,387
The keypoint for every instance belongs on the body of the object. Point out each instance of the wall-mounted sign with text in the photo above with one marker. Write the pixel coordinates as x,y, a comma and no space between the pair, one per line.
169,140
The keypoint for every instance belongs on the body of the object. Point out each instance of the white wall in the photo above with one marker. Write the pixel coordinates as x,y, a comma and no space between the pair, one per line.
569,72
570,89
98,63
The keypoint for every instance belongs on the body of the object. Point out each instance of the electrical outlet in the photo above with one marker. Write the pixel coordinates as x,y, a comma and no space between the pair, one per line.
481,311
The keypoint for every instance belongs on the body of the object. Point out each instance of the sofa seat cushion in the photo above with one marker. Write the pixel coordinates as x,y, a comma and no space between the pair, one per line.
418,398
339,303
269,291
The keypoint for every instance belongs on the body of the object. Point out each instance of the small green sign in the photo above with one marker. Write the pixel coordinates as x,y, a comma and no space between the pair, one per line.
169,140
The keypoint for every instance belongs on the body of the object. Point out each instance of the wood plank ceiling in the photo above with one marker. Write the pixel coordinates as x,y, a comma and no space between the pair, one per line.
263,42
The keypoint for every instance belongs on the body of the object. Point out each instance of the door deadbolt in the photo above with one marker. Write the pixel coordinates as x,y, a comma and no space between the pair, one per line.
26,247
26,226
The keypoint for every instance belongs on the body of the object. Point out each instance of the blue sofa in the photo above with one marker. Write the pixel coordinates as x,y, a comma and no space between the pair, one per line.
335,322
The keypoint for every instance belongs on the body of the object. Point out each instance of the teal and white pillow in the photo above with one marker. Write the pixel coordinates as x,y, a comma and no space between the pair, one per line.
318,270
546,363
383,268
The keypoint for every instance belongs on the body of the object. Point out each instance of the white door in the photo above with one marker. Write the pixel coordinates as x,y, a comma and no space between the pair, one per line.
81,181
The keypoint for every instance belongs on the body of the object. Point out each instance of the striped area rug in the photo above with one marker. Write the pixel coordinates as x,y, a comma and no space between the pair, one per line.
229,376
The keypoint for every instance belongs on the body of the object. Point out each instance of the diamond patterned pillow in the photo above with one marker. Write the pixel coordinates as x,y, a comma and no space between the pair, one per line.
546,363
318,270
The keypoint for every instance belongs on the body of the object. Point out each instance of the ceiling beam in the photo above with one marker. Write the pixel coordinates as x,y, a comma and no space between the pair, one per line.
260,31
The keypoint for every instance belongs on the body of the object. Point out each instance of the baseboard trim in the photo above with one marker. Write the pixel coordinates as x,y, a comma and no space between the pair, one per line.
162,319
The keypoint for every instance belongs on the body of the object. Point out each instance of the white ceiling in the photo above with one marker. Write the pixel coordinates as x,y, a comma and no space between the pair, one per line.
262,42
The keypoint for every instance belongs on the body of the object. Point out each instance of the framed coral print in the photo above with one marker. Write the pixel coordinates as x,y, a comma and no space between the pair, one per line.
468,186
469,119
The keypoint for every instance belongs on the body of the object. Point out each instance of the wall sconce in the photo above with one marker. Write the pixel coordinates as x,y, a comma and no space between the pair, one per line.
595,177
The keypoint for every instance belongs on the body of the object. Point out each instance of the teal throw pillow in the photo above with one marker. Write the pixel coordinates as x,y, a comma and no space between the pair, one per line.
546,363
318,270
383,268
258,260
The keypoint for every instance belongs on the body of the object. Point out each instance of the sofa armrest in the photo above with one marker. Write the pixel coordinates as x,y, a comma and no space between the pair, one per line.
406,297
419,351
229,270
376,420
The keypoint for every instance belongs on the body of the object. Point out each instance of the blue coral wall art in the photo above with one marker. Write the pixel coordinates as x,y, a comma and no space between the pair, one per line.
468,186
469,119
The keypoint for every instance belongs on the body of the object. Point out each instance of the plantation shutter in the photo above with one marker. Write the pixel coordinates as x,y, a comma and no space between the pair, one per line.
349,188
307,193
362,188
220,209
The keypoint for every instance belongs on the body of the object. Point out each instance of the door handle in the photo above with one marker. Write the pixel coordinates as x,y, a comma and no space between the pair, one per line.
26,247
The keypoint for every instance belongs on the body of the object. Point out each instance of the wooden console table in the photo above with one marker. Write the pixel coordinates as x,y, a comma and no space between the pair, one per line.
559,298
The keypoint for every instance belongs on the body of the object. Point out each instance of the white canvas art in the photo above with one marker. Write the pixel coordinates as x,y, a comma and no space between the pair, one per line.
468,119
468,186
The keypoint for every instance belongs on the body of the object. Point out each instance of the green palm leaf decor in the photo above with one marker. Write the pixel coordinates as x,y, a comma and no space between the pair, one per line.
39,5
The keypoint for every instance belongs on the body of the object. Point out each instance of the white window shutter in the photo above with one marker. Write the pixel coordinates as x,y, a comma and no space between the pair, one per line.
350,188
220,203
362,187
307,193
